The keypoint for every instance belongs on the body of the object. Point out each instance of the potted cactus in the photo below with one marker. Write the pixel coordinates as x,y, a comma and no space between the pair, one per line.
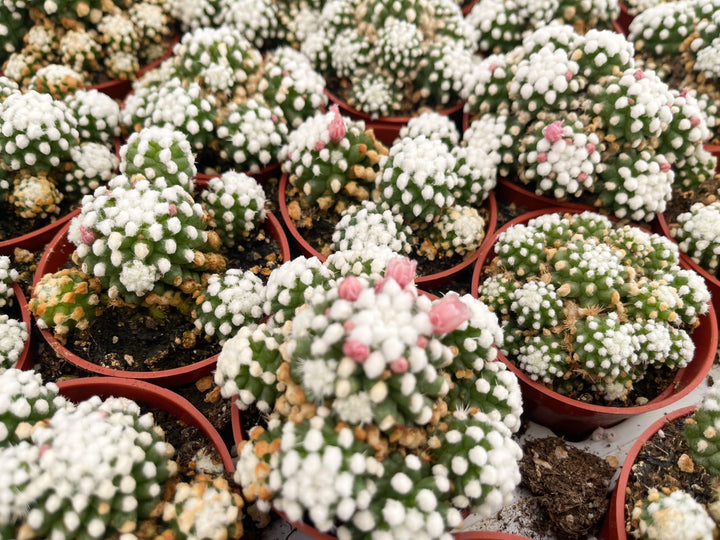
587,123
589,310
683,496
152,260
410,426
424,196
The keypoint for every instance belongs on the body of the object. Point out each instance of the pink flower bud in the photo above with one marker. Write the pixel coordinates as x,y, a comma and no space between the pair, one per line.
172,209
402,270
492,67
684,92
356,349
590,147
639,74
336,128
274,118
350,288
87,236
581,177
665,167
568,75
448,313
43,448
695,121
541,157
399,365
379,284
349,326
422,342
554,131
319,145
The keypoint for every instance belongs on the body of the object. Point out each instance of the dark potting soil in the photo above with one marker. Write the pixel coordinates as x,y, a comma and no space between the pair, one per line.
664,463
12,225
571,487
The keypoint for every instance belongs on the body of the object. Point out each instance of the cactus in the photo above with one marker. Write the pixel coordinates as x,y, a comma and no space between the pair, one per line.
485,86
79,51
94,166
371,224
349,53
65,300
118,483
159,152
697,234
236,204
28,401
89,11
228,302
432,125
499,23
256,20
604,52
13,337
153,26
252,134
57,80
375,94
676,515
311,158
97,115
35,196
45,128
7,275
701,432
661,29
418,178
193,14
13,25
442,70
398,49
206,507
459,230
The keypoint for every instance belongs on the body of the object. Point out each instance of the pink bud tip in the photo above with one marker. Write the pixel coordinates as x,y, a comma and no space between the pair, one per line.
554,131
448,313
541,157
349,326
43,448
422,342
172,209
568,75
350,288
684,93
379,284
695,121
336,128
402,270
399,365
665,167
319,145
639,74
87,236
492,67
274,118
581,177
285,73
356,350
590,147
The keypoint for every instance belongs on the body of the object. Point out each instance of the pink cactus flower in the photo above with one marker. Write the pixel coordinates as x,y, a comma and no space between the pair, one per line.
399,365
541,157
402,270
87,236
568,75
336,128
422,342
448,313
274,118
639,74
319,145
665,167
356,349
350,288
695,121
172,209
43,448
582,177
590,147
684,92
349,326
554,132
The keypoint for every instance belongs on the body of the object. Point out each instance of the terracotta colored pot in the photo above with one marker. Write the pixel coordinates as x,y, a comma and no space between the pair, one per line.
614,525
576,419
429,281
152,396
487,535
714,149
55,257
36,240
712,282
622,23
509,191
26,358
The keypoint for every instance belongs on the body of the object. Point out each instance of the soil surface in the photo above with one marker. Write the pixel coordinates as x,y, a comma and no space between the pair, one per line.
12,225
664,463
570,485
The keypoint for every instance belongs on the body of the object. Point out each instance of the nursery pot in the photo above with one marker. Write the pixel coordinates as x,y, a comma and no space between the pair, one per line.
26,358
576,419
262,176
54,258
152,396
429,281
714,149
36,240
512,192
712,282
624,19
614,525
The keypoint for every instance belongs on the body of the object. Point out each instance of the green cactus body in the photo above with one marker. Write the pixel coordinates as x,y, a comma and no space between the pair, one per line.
97,115
499,24
369,263
122,65
652,252
476,169
496,292
418,178
687,129
702,432
459,230
257,20
661,29
7,88
586,15
349,53
191,14
35,196
432,125
371,224
375,94
13,337
62,11
544,358
292,284
80,51
329,156
536,305
118,33
379,13
118,483
441,71
236,204
94,165
697,235
677,515
398,50
485,86
57,80
252,134
521,250
27,402
66,299
7,275
692,172
13,25
248,365
603,53
136,237
153,26
44,127
159,152
290,82
228,302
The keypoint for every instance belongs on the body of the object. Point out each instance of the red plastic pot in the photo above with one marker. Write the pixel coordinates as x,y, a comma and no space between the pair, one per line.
55,257
26,358
152,396
576,419
712,282
614,525
262,176
429,281
509,191
622,23
36,240
714,149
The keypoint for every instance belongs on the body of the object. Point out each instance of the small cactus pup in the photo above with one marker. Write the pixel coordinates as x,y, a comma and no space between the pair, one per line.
582,316
702,432
697,234
371,411
676,515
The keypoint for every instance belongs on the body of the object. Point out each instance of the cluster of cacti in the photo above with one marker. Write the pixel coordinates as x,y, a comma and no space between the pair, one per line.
675,515
697,234
565,287
502,25
370,223
48,492
586,121
392,59
95,41
386,414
